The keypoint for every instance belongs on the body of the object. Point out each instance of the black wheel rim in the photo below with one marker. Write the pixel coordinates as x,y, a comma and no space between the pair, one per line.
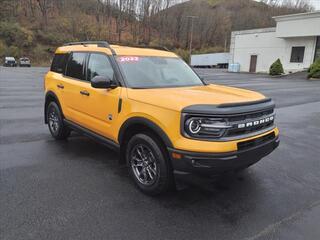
144,164
53,120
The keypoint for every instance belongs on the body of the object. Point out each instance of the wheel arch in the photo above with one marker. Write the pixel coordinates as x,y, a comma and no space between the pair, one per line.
139,124
50,97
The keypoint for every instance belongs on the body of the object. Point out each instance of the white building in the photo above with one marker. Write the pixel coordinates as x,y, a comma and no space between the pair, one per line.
295,40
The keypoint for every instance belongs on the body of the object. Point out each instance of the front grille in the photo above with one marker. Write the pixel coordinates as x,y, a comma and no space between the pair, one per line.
230,121
234,121
245,116
255,142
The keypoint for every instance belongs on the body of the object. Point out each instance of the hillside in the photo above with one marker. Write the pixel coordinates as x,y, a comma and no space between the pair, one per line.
35,28
216,19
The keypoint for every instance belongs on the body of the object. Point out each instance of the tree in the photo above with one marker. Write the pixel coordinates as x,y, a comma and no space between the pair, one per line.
44,6
276,68
49,23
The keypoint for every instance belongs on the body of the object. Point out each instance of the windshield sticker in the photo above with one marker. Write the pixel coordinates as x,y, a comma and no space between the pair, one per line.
129,59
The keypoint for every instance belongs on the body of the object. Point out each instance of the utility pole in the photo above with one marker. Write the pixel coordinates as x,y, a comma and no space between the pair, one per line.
225,43
191,35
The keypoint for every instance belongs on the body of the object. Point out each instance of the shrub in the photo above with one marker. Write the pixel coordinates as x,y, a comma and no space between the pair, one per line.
206,50
13,51
49,38
184,54
41,55
276,68
314,71
3,49
14,34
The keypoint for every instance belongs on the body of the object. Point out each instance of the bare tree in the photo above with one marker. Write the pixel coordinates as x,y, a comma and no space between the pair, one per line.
44,6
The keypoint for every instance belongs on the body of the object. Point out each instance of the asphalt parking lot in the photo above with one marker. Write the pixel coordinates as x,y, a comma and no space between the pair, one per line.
76,190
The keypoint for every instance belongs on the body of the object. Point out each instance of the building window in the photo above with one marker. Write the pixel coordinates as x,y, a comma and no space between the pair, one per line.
297,54
317,53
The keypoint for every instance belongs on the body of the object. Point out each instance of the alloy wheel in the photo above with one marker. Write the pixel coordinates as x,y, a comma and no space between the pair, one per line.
144,164
53,120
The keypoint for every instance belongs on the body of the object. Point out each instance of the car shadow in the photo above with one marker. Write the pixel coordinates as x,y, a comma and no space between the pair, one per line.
230,196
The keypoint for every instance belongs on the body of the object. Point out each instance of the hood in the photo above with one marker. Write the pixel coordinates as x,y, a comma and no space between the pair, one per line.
179,98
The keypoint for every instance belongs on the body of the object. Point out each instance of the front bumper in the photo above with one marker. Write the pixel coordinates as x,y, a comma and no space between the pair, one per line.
212,164
10,64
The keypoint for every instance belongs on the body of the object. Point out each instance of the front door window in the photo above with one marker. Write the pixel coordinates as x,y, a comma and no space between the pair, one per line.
99,65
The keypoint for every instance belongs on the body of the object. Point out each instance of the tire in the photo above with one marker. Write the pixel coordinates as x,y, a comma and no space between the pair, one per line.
146,158
56,126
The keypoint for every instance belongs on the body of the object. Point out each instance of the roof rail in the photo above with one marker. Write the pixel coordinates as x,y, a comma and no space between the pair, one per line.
146,46
104,44
107,45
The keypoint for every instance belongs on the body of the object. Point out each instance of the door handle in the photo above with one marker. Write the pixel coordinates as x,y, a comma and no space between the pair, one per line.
60,86
84,92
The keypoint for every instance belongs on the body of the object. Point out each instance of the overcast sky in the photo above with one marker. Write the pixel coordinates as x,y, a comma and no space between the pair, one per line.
315,3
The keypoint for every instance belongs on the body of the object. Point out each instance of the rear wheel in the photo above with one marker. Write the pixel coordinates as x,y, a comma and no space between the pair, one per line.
148,164
56,126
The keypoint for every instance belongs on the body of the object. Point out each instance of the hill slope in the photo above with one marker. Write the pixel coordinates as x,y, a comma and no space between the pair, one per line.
35,27
216,19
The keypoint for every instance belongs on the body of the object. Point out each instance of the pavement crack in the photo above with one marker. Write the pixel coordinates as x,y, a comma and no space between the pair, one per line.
272,227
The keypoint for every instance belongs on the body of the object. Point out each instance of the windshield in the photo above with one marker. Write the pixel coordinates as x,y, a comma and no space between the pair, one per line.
157,72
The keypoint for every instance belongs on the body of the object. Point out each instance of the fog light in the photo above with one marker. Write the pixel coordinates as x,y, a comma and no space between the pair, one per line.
176,155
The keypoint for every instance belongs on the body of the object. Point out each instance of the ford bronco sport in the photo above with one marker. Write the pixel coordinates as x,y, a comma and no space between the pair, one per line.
153,108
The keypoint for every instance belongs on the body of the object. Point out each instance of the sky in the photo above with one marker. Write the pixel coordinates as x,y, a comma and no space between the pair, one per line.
315,3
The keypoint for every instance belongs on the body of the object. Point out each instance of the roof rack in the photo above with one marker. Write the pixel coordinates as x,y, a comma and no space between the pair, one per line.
104,44
146,46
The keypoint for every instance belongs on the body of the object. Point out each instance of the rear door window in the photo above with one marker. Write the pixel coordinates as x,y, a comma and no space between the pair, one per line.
75,66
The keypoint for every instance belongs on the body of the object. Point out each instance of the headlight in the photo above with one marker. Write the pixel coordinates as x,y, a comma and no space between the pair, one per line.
193,125
204,127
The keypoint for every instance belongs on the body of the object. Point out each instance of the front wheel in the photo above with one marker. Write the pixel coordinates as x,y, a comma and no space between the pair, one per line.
56,126
148,164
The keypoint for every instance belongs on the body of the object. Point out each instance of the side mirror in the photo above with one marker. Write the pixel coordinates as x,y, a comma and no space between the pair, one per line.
102,82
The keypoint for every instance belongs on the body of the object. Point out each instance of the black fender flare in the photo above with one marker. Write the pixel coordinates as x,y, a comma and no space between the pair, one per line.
149,124
51,95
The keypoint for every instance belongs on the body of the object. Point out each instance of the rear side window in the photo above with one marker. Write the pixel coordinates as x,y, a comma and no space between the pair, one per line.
59,63
75,65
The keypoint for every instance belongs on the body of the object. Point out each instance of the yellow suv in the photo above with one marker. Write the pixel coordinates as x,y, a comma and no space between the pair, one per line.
157,112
